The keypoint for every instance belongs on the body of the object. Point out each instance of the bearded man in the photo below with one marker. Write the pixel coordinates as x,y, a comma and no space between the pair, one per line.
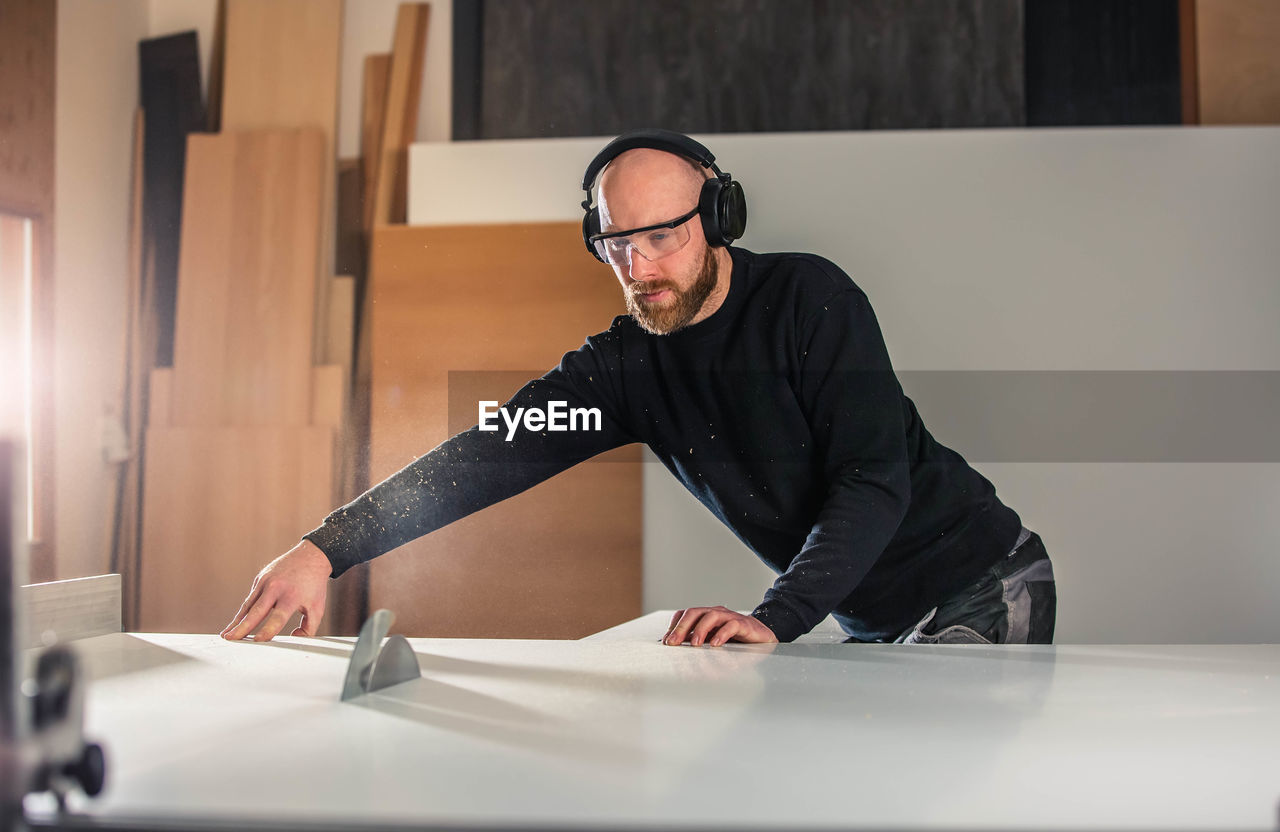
763,383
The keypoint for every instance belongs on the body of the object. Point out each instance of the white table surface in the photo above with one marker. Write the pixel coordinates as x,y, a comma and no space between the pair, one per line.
620,731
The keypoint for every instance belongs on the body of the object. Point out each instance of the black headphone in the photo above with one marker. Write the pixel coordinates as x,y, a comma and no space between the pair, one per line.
721,205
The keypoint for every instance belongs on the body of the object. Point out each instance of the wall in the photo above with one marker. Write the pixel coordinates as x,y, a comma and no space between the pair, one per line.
1147,249
97,94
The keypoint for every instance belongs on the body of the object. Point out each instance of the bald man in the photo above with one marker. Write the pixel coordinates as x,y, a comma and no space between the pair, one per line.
763,383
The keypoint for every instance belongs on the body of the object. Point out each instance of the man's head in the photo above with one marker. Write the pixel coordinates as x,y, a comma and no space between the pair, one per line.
670,276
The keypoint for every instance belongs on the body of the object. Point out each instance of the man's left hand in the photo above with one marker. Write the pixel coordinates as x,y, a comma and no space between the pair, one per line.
715,626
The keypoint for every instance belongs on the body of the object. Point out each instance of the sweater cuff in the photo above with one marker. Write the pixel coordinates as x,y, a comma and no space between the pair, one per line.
775,615
331,543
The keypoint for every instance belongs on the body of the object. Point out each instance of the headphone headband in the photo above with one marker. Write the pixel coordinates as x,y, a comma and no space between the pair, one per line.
656,138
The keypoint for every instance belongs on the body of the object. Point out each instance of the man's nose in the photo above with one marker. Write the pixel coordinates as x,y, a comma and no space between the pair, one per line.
640,267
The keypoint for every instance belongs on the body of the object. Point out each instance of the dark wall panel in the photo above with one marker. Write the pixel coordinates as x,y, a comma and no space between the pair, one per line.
597,67
171,100
1093,62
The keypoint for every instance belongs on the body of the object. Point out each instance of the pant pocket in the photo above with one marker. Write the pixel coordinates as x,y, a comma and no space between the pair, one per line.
930,631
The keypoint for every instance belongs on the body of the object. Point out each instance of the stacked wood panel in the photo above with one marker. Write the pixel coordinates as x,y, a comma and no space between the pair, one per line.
241,445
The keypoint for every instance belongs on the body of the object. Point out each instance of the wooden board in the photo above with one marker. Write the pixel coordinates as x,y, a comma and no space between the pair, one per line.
281,70
170,95
139,353
340,332
160,398
60,611
1238,61
28,68
561,560
220,504
245,325
328,396
400,122
373,112
28,84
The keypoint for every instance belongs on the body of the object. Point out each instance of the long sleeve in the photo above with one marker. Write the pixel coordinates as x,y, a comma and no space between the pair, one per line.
853,404
477,468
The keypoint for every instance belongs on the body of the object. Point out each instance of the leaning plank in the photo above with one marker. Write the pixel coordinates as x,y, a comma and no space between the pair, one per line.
245,330
170,92
373,113
404,80
281,70
160,398
220,503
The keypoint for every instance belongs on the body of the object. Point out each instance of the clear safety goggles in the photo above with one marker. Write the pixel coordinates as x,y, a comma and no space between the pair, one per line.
651,241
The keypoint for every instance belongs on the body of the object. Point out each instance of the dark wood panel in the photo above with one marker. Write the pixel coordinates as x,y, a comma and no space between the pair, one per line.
597,67
171,99
1093,62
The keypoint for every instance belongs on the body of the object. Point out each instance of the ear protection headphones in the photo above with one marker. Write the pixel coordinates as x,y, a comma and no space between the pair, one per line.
721,204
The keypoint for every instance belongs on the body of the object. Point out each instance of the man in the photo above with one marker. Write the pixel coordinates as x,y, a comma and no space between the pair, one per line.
764,385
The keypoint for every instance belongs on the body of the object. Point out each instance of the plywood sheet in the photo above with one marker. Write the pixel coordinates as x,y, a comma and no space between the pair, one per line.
404,80
327,395
220,504
28,66
160,398
561,560
170,96
246,297
340,332
281,70
373,112
1238,61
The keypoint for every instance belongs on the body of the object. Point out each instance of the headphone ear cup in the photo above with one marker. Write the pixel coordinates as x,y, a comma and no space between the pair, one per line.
709,202
732,212
591,226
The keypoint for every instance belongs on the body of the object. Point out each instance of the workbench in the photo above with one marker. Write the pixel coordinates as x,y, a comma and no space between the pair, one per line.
618,731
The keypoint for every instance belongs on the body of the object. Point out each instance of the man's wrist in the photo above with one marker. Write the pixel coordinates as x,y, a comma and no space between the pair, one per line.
785,624
314,554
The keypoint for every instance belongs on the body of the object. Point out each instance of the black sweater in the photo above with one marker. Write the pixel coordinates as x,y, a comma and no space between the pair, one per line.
781,413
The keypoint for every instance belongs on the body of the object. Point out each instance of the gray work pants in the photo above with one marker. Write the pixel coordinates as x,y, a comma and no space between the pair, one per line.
1014,602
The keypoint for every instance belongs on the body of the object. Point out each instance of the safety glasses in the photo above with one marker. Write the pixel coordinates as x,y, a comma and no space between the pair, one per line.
651,241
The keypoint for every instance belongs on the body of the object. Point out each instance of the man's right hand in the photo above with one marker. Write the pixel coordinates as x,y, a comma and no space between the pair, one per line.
297,580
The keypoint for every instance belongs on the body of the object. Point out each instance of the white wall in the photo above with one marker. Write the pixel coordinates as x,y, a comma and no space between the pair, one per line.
97,95
983,250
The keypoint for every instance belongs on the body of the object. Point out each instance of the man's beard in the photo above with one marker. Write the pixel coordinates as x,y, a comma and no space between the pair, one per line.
669,316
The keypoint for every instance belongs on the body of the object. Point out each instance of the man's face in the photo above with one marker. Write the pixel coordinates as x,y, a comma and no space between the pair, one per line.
644,187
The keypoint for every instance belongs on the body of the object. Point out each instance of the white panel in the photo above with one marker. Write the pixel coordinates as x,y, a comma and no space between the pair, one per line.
628,734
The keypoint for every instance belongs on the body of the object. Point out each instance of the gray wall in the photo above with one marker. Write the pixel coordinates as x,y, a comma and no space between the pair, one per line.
1118,252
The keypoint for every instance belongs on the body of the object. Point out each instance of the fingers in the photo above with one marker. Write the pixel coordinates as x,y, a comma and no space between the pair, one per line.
276,619
714,626
685,622
726,631
310,622
682,624
709,619
671,627
254,592
249,621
